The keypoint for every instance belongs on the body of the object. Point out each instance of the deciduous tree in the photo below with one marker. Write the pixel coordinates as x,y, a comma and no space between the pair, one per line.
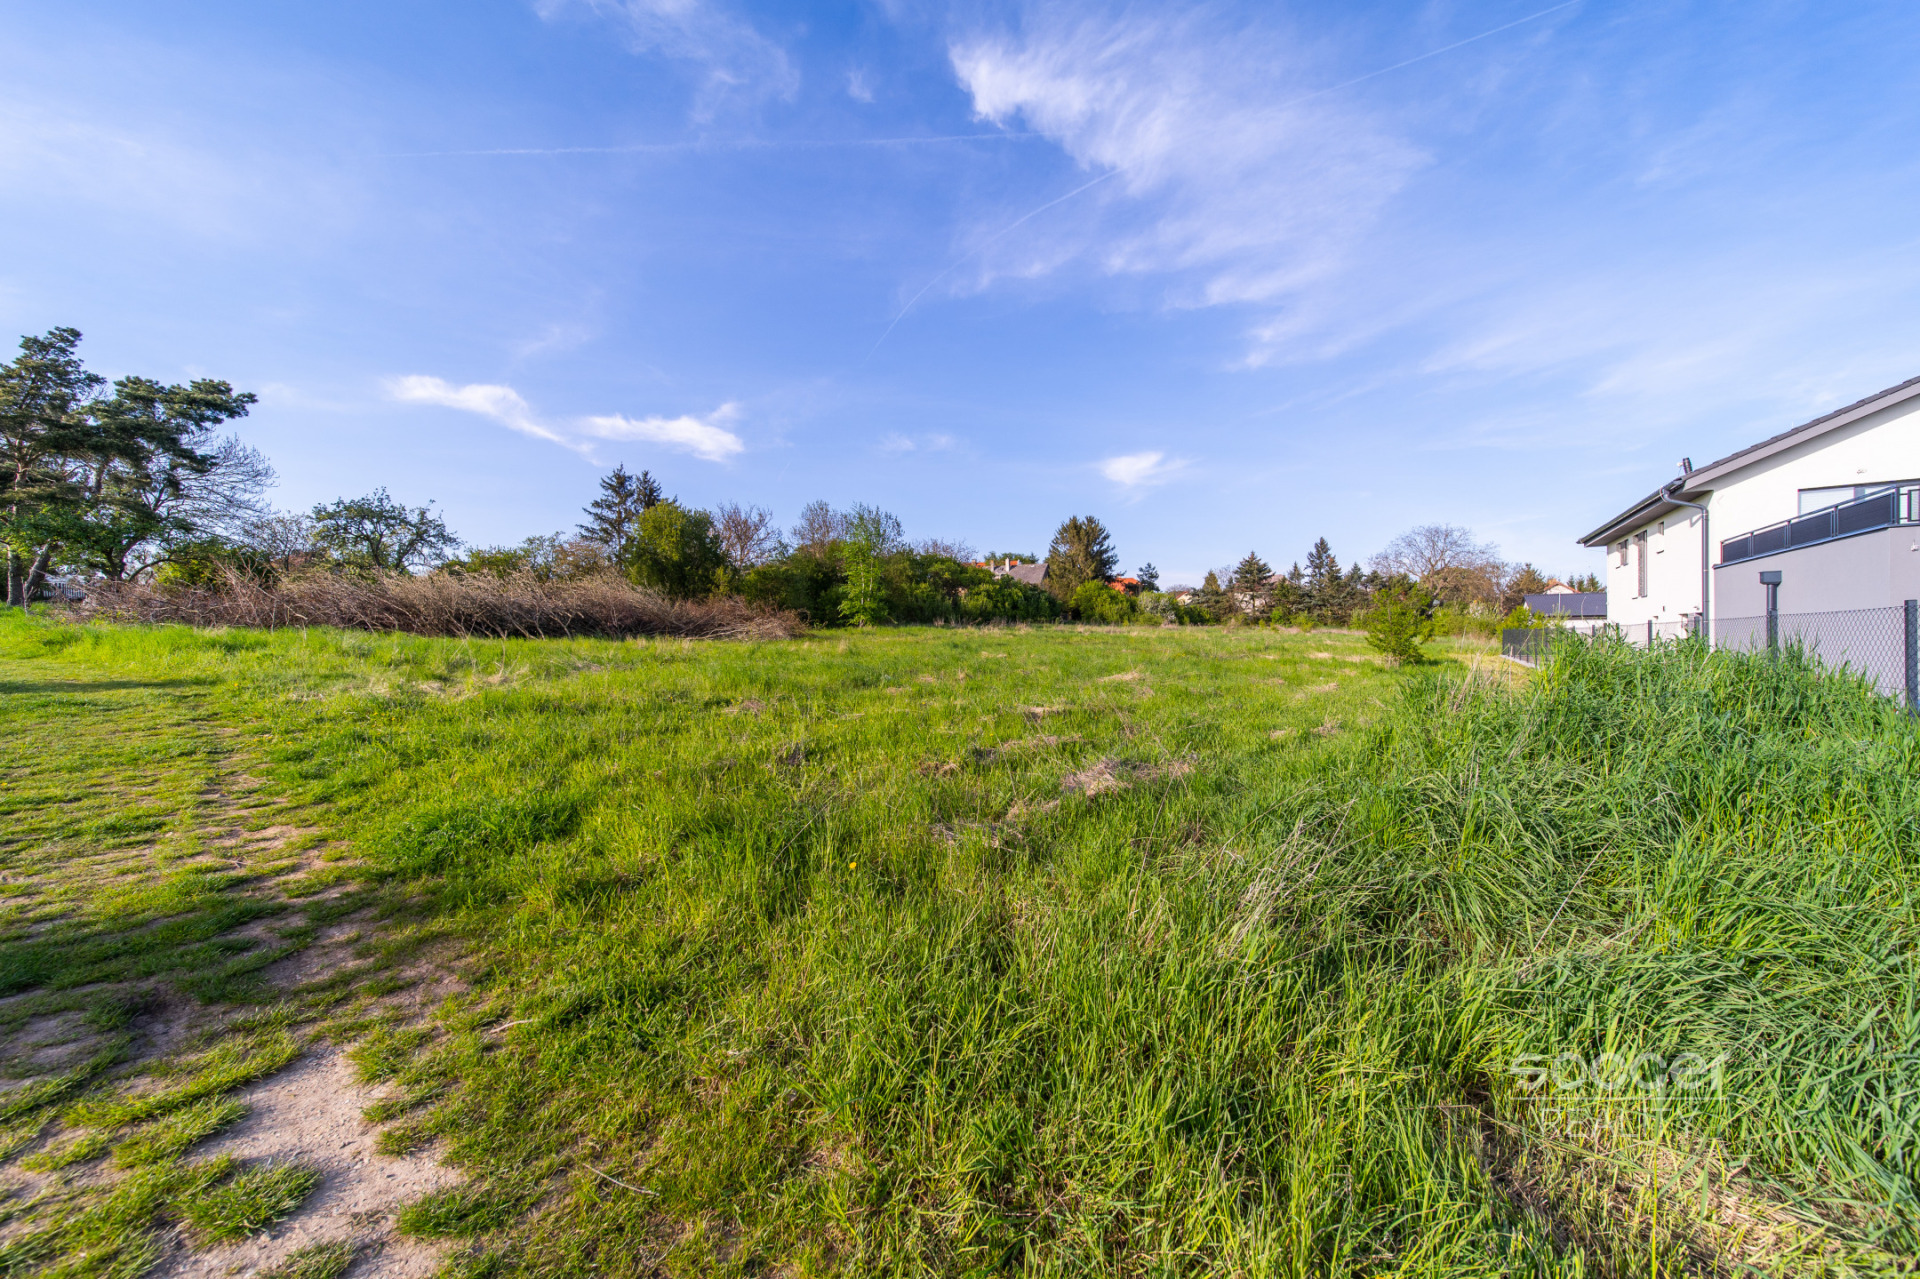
747,534
676,551
377,534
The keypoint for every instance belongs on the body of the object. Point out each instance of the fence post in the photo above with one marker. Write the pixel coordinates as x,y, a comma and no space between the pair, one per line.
1771,580
1649,632
1913,657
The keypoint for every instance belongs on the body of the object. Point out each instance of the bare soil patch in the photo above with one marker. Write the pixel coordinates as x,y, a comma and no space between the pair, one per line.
310,1113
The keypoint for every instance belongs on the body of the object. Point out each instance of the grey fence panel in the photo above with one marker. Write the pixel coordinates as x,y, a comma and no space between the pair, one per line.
1870,641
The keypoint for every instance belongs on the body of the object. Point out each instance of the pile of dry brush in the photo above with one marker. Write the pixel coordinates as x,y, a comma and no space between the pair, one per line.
439,604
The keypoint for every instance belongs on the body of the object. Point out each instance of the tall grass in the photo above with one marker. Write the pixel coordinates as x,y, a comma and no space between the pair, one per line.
807,957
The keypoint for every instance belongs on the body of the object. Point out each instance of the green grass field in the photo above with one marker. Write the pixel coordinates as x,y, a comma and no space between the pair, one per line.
968,952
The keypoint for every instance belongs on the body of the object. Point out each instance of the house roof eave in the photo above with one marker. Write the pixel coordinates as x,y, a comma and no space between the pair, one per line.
1701,480
1645,511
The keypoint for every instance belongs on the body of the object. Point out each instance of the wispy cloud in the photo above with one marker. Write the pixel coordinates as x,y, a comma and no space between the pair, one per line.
1139,470
857,87
894,442
704,437
501,403
1224,172
736,60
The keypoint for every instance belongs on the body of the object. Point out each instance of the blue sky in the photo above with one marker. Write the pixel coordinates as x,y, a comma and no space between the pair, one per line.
1228,277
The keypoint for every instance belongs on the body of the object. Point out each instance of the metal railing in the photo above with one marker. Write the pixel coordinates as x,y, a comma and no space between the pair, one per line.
1899,504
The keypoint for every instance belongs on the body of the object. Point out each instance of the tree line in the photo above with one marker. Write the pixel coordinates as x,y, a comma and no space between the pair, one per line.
136,480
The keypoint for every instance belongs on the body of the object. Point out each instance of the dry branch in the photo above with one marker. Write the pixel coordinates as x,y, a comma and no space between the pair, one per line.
439,604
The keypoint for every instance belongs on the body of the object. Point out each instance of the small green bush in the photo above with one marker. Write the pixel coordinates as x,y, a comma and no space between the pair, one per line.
1098,602
1398,623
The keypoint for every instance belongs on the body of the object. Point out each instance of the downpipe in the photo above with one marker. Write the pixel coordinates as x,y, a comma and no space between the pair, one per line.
1706,557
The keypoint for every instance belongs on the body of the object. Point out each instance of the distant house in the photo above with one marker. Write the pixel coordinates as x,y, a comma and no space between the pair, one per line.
1824,512
1582,611
1031,574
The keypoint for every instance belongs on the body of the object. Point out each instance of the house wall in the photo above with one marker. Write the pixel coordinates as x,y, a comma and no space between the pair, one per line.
1672,550
1868,570
1881,447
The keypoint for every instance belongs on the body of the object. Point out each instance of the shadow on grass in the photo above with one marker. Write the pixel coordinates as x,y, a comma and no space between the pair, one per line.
8,686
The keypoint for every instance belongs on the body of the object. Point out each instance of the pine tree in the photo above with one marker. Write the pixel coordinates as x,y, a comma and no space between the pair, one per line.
1325,592
1323,569
1149,576
615,515
1212,597
1252,585
1081,552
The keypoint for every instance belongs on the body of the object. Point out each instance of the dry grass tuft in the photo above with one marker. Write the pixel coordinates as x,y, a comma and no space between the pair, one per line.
440,604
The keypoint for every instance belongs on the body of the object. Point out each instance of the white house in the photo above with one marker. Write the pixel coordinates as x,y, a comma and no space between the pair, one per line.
1831,506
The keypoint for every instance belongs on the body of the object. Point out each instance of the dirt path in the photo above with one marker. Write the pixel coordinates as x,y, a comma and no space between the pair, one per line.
311,1112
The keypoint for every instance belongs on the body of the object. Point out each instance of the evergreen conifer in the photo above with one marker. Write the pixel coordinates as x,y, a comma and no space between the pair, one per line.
615,515
1081,552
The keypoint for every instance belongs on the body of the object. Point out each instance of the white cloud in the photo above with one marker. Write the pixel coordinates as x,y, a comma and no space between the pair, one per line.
857,87
737,60
501,403
707,438
703,437
1224,173
1136,470
894,442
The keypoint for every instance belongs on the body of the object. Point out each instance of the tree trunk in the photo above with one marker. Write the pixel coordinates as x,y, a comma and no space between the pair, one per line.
16,580
37,574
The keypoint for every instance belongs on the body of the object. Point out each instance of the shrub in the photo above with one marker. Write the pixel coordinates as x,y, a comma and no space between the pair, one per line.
1398,623
1098,602
1524,618
862,604
207,564
1168,608
676,551
1007,600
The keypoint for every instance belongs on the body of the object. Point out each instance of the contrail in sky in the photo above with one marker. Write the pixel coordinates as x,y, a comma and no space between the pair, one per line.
731,144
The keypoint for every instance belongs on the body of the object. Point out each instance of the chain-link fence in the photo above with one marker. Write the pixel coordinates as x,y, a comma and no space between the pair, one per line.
1882,644
1870,641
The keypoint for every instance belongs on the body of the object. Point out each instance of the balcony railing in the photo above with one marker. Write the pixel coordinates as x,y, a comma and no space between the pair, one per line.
1899,504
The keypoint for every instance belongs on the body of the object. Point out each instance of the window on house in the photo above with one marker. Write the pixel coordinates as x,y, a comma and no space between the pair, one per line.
1641,538
1621,551
1820,499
